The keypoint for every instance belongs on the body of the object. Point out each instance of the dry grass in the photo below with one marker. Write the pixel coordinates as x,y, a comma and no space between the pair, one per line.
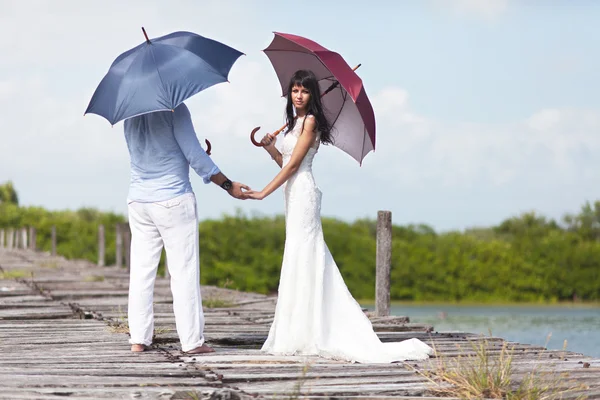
217,302
295,394
123,327
118,327
481,374
120,324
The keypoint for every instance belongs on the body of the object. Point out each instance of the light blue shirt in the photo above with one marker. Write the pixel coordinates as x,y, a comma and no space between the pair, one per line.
162,147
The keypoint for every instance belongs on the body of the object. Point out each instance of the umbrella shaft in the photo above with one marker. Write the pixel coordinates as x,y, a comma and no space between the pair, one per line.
336,83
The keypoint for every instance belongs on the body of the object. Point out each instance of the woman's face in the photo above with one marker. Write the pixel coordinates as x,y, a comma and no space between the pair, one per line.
300,97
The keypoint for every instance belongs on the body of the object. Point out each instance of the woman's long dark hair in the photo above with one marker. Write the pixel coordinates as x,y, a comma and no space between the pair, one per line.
308,80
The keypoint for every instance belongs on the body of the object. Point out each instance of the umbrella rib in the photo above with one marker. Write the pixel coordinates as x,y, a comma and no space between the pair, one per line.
136,55
200,58
158,71
362,151
344,97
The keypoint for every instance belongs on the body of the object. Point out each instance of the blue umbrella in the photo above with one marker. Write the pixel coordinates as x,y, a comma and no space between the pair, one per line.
160,74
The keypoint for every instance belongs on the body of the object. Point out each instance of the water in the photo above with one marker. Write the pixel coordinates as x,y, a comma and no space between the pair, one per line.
579,326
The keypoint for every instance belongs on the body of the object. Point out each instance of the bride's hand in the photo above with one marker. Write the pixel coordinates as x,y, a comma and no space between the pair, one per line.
268,141
253,194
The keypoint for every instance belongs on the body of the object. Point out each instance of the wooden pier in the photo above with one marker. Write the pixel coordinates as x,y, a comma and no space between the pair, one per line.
63,335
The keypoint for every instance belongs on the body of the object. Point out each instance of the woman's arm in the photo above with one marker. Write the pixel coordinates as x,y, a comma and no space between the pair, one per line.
305,141
269,145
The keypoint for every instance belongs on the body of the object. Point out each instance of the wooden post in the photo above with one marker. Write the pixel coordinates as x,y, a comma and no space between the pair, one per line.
53,240
127,245
18,238
23,238
2,235
101,246
166,265
10,239
32,238
384,261
119,246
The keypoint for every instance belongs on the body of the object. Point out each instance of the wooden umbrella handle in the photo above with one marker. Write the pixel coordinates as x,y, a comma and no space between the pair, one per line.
259,144
278,131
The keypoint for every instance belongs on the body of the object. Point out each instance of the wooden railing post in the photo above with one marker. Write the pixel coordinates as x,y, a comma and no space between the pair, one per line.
24,238
127,245
119,246
384,261
101,246
32,238
53,240
18,238
10,239
167,275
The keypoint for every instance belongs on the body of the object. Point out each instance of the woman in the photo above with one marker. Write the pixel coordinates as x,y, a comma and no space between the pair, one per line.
315,313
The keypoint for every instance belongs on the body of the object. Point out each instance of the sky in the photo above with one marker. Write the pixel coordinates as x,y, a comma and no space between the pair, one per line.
485,109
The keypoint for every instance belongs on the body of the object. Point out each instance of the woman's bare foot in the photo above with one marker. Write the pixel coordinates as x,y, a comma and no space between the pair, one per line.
200,350
138,348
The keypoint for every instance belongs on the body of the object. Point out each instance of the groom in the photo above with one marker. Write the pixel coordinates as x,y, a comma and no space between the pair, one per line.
162,211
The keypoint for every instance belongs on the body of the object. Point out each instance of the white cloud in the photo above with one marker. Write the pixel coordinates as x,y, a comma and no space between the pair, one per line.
464,154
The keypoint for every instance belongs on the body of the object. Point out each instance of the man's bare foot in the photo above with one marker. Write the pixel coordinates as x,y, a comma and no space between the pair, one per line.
200,350
138,348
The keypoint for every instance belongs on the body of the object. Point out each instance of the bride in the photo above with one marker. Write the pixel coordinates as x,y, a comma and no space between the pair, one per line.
315,312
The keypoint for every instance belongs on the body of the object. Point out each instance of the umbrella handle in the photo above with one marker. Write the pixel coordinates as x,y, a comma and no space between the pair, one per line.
259,144
278,131
208,146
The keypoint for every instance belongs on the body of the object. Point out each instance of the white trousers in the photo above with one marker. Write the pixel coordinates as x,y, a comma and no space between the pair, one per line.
174,224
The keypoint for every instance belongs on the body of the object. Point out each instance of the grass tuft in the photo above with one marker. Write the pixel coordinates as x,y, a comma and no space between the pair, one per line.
13,274
217,302
482,373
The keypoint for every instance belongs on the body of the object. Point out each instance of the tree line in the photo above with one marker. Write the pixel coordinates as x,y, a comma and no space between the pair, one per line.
526,258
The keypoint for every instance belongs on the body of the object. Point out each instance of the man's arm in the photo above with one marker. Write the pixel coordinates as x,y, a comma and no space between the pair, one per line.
233,188
201,163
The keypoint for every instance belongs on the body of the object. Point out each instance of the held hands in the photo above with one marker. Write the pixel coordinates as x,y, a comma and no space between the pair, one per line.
254,195
237,191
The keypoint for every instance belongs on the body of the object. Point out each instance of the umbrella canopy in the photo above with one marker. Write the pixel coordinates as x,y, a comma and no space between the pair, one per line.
347,106
160,74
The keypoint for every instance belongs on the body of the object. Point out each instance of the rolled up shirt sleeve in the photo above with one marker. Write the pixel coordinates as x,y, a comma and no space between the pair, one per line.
186,138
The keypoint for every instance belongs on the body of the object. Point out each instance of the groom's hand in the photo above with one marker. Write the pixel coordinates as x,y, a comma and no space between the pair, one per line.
237,190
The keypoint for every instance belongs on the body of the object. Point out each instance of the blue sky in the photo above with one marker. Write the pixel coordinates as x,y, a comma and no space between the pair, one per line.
484,108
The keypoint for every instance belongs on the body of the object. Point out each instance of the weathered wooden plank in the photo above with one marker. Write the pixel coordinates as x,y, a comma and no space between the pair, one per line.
24,301
36,313
124,371
22,381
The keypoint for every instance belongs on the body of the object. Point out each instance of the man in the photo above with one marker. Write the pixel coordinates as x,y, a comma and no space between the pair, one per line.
162,211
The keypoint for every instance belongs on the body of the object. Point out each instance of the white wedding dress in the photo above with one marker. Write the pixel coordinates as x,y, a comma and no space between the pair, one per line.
315,312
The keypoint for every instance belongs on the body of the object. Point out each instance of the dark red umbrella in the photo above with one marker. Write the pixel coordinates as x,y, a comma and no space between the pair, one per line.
346,104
